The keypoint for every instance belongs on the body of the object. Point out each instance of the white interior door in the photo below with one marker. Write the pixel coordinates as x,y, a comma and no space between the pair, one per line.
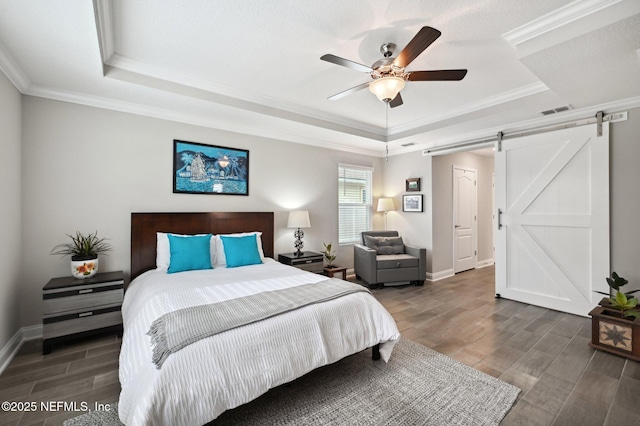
552,242
464,219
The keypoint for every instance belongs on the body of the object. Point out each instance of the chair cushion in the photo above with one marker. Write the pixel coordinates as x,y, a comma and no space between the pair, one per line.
394,261
384,245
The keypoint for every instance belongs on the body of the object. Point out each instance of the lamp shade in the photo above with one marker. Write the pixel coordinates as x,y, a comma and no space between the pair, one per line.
386,88
386,205
299,219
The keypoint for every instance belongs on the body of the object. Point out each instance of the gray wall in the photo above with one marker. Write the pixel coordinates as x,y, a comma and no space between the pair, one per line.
87,169
414,227
625,198
443,207
10,210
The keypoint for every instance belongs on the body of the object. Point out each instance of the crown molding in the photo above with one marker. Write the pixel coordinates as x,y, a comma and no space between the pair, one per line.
124,69
491,132
208,121
572,20
13,72
103,15
416,127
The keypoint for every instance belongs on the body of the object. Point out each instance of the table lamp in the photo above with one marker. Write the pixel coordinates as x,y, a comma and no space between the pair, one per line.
298,219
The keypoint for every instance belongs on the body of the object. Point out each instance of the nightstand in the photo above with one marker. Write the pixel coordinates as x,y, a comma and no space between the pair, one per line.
309,261
75,308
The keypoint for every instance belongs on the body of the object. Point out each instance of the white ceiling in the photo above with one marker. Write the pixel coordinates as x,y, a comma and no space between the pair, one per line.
254,67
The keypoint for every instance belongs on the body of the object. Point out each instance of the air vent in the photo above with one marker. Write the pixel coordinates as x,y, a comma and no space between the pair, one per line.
408,144
557,110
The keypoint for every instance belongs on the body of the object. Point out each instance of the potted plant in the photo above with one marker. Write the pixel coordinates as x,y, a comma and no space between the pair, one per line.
615,282
84,251
615,326
328,254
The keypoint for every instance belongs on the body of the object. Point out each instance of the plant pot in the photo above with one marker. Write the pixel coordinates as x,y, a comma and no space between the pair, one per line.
611,333
605,302
84,267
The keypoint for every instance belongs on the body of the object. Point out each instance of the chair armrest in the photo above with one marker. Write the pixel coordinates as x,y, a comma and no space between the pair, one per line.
421,254
364,263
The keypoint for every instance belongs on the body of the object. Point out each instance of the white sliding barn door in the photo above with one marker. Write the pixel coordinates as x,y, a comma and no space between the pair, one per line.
552,192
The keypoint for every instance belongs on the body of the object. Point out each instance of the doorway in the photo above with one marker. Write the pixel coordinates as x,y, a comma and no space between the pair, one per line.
469,245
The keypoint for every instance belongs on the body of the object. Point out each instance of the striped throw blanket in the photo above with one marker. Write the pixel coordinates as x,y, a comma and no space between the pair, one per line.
178,329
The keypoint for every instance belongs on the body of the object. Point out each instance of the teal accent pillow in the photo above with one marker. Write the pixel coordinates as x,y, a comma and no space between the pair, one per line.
189,253
241,251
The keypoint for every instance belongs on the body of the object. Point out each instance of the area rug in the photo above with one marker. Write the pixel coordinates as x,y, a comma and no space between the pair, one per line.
418,386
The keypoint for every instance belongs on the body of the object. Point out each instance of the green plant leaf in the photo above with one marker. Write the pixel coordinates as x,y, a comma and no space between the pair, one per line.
81,245
616,281
635,314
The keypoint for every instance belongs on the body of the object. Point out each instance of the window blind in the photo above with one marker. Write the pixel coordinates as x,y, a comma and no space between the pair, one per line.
354,202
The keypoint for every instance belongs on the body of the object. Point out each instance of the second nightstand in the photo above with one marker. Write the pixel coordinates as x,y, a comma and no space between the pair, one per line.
309,261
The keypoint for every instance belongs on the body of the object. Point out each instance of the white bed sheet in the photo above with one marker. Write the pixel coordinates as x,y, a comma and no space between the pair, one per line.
201,381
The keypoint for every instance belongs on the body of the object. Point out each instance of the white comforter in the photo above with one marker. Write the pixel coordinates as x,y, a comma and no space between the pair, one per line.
198,383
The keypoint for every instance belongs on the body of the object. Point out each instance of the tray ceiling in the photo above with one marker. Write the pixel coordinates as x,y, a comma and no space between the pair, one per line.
254,67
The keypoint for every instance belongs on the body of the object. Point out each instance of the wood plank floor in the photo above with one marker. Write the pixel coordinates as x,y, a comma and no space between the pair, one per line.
543,352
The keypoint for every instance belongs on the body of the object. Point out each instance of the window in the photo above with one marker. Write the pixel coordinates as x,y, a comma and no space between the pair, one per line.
354,202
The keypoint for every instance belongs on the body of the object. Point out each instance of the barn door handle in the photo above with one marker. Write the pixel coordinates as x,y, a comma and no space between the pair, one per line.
499,219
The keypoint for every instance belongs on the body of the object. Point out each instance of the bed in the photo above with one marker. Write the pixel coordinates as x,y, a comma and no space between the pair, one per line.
209,376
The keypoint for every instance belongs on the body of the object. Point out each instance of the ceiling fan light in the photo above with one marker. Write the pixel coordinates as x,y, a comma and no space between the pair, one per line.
386,88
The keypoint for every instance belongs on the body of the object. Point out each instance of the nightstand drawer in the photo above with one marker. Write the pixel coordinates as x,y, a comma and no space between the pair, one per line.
308,261
74,308
311,266
82,298
81,321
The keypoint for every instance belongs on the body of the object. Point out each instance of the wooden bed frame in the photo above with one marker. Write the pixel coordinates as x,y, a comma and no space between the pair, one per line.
145,225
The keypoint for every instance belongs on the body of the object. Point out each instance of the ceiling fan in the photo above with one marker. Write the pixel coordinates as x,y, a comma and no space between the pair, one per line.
389,74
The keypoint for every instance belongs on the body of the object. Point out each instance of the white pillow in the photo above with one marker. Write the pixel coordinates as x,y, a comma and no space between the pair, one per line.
221,260
163,251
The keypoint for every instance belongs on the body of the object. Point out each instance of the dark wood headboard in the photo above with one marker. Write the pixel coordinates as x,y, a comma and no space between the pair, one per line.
145,225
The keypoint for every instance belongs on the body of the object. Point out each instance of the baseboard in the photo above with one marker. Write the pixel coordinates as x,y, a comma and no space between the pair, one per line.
15,343
484,263
440,275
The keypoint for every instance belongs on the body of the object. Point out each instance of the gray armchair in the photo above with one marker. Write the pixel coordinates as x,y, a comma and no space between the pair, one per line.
383,259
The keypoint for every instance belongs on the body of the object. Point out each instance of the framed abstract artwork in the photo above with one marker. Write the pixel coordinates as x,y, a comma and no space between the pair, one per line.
412,203
209,169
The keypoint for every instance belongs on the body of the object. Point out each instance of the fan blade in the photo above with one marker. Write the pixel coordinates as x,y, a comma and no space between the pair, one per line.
439,75
348,92
396,102
346,63
417,45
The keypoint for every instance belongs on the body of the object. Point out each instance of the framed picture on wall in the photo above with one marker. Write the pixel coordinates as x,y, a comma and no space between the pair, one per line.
209,169
412,203
413,185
